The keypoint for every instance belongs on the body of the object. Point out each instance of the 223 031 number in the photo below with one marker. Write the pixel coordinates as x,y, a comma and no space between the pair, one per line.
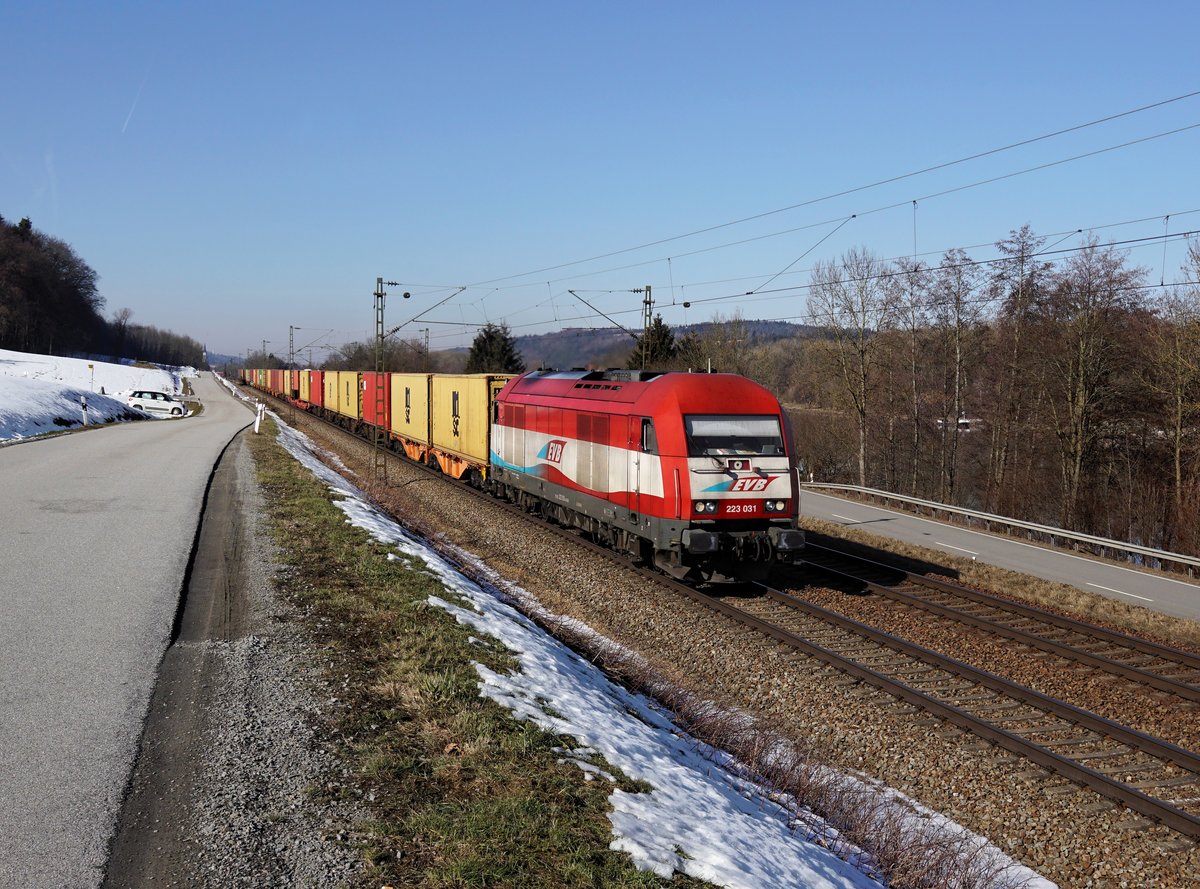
740,508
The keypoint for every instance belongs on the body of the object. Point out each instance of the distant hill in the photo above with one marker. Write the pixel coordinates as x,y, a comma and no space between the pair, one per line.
586,346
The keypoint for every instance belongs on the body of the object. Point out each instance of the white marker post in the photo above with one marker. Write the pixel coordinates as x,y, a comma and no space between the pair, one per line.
83,404
258,416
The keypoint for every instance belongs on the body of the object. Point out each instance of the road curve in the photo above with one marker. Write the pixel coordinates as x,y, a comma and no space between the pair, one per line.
1176,597
95,530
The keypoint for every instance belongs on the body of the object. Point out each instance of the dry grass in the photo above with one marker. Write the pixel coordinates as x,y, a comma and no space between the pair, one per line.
903,846
1060,598
464,796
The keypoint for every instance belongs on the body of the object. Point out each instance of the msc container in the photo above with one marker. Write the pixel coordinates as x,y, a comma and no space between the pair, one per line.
375,404
461,408
409,422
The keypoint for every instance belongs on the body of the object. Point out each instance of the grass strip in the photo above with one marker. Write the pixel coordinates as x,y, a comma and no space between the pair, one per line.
459,793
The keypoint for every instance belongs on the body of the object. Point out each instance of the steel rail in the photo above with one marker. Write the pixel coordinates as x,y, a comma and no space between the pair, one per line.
1172,817
1166,652
1105,727
1139,675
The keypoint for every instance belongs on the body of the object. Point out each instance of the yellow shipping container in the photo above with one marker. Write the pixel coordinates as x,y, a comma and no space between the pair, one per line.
330,385
349,393
461,411
410,413
305,386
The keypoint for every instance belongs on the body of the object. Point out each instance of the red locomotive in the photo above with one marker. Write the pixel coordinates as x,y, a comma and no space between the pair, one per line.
688,471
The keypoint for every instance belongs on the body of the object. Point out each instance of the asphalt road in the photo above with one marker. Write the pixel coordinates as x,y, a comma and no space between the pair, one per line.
95,533
1164,594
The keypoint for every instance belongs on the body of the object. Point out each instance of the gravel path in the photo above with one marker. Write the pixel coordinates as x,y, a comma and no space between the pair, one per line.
1069,834
227,791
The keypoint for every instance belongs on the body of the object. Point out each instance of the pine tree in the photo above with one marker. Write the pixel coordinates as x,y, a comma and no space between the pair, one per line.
658,348
494,350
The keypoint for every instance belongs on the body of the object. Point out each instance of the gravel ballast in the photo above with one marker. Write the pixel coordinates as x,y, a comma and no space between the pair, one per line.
1068,833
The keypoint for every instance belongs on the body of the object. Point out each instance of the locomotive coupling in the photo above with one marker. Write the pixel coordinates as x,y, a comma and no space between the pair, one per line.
699,542
786,540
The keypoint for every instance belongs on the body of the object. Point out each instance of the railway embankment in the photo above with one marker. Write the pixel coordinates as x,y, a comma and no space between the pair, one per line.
1062,830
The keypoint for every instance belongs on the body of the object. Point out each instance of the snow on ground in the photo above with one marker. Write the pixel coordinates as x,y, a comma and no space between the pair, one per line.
741,839
41,393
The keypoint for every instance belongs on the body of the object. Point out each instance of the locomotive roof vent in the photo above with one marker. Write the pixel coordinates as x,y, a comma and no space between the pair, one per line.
621,375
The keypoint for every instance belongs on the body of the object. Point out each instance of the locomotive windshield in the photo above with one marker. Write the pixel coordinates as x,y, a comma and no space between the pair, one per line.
720,435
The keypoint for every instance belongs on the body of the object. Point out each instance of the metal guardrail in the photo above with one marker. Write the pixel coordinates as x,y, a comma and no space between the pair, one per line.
1129,552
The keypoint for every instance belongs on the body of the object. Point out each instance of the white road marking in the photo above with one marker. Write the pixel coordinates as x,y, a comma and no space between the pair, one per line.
1120,592
845,517
959,548
1058,552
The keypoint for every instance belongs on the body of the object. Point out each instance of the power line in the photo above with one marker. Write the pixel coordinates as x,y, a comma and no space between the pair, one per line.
787,292
970,185
855,190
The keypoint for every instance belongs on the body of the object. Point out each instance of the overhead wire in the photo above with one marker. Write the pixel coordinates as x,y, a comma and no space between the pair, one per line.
870,212
855,190
788,292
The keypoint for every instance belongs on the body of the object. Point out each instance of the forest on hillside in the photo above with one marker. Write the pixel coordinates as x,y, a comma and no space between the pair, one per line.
1057,387
50,304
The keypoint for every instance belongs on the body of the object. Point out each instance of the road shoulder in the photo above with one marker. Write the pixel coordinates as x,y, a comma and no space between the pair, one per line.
221,794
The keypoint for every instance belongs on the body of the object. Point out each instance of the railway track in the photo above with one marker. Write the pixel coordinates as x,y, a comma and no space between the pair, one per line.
1158,780
1145,663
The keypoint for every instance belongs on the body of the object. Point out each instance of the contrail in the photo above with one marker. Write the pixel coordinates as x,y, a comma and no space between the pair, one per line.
136,99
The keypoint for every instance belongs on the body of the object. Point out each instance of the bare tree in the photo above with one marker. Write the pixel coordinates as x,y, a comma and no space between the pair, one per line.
1083,318
1176,376
1018,284
908,292
956,317
847,297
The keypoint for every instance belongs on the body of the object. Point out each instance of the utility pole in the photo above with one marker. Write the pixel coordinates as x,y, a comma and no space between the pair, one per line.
290,371
425,364
379,434
647,313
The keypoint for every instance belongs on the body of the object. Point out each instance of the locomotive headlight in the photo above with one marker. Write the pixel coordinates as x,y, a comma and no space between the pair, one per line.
780,505
705,506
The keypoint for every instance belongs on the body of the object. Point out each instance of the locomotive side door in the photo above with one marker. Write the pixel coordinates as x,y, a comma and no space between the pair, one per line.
642,442
635,468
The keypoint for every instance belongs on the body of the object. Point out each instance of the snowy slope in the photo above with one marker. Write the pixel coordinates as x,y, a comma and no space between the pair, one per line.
41,393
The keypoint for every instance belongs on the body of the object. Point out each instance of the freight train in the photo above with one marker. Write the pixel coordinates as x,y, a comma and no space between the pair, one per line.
689,472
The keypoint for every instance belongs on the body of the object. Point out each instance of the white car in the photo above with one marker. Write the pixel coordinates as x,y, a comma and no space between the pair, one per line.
156,403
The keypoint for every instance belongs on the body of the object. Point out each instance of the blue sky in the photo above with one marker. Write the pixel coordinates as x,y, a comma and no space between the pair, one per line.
230,169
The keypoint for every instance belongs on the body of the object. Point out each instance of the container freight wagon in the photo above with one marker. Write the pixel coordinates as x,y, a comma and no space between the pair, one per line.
461,410
330,388
689,470
409,423
349,394
376,405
